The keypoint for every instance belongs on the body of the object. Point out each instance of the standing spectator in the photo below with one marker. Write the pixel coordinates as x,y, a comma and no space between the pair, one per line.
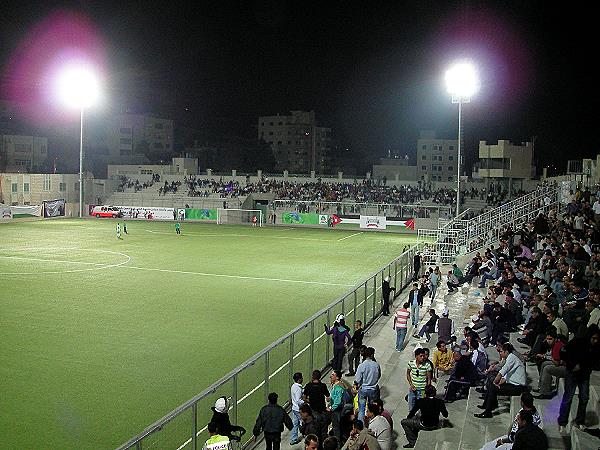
341,338
337,402
315,393
416,266
581,355
221,418
401,317
418,376
415,299
444,327
510,380
379,426
430,408
357,342
435,278
386,290
296,393
271,420
215,440
366,380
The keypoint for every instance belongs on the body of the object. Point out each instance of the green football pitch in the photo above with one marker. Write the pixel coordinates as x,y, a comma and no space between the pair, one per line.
102,336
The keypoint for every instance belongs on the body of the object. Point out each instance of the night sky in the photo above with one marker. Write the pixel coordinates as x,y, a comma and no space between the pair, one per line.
373,71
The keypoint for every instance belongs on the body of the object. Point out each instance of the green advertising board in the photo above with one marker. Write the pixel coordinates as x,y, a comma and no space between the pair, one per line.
201,214
301,218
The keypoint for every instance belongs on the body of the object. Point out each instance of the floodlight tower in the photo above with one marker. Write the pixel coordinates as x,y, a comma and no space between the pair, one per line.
462,83
79,88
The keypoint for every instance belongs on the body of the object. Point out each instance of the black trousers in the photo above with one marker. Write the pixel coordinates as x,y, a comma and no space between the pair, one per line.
273,441
490,401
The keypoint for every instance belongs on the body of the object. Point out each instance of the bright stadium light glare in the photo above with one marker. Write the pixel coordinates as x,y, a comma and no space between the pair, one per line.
78,87
462,80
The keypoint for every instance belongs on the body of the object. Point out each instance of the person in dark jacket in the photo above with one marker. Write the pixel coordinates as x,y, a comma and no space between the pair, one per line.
529,436
463,375
581,356
312,424
386,290
430,408
271,420
221,418
341,338
429,326
357,342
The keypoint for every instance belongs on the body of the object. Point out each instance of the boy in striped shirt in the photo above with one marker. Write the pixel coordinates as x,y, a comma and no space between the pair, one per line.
401,317
418,377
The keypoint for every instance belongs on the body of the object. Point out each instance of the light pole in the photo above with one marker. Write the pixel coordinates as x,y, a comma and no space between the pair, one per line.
79,88
462,82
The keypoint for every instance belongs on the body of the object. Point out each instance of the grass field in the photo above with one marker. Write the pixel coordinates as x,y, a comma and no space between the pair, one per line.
101,337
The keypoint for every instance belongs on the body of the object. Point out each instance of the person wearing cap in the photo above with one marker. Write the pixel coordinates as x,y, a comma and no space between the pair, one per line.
341,339
215,440
444,326
482,325
271,420
386,290
221,418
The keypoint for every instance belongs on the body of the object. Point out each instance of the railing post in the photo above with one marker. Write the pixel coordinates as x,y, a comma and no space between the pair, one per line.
267,376
234,396
365,308
195,426
291,372
327,340
374,293
312,345
355,305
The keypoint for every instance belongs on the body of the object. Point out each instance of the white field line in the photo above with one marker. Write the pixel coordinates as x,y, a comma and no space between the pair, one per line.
262,383
244,235
240,277
348,237
54,260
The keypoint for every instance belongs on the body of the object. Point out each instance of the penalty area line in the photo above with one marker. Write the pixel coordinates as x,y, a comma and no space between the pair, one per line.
348,237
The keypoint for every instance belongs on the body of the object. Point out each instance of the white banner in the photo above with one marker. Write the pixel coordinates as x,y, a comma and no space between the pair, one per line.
148,213
323,219
373,222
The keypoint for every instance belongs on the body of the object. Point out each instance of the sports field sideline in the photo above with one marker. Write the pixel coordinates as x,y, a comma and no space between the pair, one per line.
101,336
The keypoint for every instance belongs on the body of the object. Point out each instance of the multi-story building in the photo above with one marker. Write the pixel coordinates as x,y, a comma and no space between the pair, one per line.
506,164
436,158
22,153
298,143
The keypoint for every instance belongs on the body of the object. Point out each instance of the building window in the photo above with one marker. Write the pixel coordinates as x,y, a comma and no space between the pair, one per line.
451,147
125,130
158,126
26,188
450,168
270,133
450,158
125,140
158,145
22,148
280,123
62,187
13,188
43,149
46,182
423,167
450,178
125,152
76,186
424,147
424,157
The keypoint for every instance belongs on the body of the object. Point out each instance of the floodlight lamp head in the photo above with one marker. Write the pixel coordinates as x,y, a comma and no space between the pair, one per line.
462,81
78,86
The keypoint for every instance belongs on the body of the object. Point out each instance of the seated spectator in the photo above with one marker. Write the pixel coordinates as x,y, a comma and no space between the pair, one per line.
429,419
500,321
536,326
429,326
562,332
361,438
379,426
331,443
510,380
594,312
482,325
442,358
529,436
549,363
463,375
453,281
505,442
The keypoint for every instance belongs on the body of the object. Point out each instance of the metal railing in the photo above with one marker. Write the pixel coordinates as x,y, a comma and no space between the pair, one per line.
303,349
460,236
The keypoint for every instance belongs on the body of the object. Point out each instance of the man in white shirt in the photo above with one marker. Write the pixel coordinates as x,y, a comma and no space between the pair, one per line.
379,426
596,209
296,392
511,380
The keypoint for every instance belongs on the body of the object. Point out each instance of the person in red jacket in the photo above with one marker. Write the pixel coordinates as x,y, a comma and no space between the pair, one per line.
549,363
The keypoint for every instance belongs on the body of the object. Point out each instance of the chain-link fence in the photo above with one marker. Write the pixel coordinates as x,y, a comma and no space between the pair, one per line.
304,349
